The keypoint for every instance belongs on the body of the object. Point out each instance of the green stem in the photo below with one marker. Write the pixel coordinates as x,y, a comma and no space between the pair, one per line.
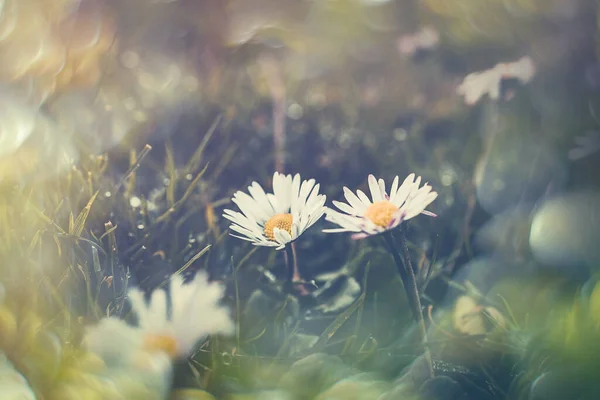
291,262
407,274
294,279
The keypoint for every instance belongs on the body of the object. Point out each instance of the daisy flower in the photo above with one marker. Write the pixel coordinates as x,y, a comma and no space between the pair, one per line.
195,314
385,212
278,218
117,351
478,84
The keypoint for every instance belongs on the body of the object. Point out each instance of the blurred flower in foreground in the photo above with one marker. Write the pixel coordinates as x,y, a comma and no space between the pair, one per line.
139,359
117,366
478,84
195,313
276,219
386,212
13,385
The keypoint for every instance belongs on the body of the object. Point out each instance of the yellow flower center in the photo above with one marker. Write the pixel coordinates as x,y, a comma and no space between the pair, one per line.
381,213
164,343
281,221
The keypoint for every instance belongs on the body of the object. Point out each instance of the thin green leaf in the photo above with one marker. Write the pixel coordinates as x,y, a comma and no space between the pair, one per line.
337,324
83,215
188,264
171,171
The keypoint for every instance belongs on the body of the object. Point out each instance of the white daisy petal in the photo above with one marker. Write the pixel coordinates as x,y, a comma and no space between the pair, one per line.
260,198
338,230
238,217
363,197
313,197
231,213
249,207
278,206
312,217
369,227
394,188
277,187
404,190
317,205
282,191
268,243
315,217
381,184
246,230
243,231
354,201
417,183
295,231
418,205
241,220
419,196
374,188
399,217
313,213
349,228
418,193
282,236
295,190
415,197
345,221
136,298
246,238
305,190
303,222
344,207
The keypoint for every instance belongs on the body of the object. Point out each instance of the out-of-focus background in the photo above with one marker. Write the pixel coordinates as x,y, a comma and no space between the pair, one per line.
126,126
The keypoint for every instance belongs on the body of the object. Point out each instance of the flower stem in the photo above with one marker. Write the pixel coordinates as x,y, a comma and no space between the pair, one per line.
407,274
292,262
294,279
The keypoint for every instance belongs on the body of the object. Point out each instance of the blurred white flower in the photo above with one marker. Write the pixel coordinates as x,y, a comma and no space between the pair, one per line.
426,38
129,368
279,218
195,314
13,384
125,341
385,212
478,84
